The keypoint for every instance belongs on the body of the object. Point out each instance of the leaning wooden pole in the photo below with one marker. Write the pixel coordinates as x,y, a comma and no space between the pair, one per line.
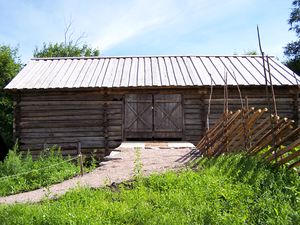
272,88
267,88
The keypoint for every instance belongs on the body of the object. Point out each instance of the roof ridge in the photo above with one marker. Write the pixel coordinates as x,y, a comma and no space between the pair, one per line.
140,56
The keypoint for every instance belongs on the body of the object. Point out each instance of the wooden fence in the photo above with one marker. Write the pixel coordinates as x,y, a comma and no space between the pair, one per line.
256,132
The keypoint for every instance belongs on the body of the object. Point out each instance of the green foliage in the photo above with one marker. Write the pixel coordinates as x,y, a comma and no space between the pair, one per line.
9,66
43,172
251,52
233,189
138,165
292,50
64,50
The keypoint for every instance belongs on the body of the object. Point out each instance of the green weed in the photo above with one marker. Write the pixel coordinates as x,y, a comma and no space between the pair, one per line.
20,173
231,189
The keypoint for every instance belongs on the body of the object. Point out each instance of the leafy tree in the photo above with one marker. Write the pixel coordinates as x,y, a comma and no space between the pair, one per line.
292,50
9,66
64,50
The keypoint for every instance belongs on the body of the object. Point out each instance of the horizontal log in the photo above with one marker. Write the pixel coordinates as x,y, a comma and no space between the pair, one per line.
58,107
192,101
193,121
81,123
63,129
193,116
54,140
193,111
77,112
63,102
193,127
193,133
64,134
193,106
63,118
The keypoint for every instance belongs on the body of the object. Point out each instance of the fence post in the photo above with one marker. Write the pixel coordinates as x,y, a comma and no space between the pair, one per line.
80,158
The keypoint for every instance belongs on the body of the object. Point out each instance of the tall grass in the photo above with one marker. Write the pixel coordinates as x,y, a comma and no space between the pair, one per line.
21,173
233,189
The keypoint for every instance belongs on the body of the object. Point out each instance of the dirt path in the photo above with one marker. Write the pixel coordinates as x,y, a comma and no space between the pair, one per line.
117,168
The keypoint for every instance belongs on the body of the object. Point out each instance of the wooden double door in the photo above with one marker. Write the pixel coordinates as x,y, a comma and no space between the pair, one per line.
153,116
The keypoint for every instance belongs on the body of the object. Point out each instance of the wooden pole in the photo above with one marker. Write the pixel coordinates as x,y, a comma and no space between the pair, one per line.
80,158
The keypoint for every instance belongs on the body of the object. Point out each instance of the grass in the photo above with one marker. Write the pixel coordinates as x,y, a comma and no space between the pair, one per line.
33,174
233,189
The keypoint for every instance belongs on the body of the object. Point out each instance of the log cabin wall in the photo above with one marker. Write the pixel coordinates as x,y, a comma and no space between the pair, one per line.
96,117
64,118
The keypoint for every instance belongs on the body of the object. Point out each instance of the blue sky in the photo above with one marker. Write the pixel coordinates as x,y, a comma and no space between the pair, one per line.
153,27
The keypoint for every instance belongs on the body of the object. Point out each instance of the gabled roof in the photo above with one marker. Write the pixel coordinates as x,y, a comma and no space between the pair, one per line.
148,71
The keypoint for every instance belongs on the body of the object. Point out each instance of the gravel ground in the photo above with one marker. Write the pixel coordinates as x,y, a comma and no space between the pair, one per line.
116,168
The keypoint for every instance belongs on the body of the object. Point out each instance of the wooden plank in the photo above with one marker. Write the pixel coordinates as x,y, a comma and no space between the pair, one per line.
289,158
155,71
90,72
193,121
22,74
56,81
65,129
192,111
82,74
64,77
170,72
63,134
39,80
177,72
96,74
193,116
62,118
163,72
82,123
234,77
133,73
148,72
72,79
138,113
74,112
201,70
110,73
119,73
141,76
185,74
61,140
218,78
126,73
167,114
31,108
103,71
242,70
195,78
35,76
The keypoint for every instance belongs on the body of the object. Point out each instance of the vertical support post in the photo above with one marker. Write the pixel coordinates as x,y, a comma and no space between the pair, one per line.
16,119
296,108
246,102
183,118
105,123
80,158
203,115
246,134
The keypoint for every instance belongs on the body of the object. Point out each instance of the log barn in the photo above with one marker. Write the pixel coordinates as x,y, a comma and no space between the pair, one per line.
102,101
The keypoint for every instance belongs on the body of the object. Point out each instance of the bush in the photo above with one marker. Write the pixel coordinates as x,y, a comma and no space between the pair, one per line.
21,173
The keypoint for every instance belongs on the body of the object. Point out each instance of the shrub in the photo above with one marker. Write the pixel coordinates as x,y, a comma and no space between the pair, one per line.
21,173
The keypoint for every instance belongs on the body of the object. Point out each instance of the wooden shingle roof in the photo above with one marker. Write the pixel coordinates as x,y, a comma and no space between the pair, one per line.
148,71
